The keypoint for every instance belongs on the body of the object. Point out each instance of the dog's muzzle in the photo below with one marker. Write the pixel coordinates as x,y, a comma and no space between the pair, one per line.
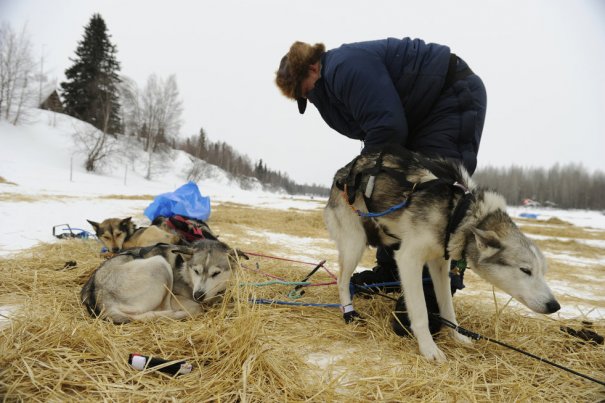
199,296
552,306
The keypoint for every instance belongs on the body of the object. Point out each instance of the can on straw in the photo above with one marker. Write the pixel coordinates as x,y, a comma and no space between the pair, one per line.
141,362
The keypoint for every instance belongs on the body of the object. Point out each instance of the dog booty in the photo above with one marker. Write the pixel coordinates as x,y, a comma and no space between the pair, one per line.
401,321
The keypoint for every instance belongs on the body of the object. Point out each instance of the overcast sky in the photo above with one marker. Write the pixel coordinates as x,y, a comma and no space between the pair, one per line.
542,61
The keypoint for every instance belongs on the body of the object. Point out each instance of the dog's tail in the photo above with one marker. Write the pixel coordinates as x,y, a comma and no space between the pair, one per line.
88,296
450,170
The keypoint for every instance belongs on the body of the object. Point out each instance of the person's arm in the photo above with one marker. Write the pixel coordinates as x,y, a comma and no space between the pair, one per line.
366,89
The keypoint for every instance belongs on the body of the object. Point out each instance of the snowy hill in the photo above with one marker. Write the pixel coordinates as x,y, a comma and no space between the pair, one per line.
47,143
46,183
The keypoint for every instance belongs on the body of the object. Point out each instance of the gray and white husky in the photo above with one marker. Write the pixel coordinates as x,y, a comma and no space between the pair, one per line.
433,211
159,281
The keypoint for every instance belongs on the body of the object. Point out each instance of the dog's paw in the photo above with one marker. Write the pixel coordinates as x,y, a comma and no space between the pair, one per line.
460,338
179,315
107,255
431,352
351,316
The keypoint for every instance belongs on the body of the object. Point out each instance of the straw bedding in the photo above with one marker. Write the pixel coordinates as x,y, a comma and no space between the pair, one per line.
52,350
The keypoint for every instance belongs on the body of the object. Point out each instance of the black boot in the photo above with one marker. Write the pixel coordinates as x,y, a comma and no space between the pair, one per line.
401,321
378,275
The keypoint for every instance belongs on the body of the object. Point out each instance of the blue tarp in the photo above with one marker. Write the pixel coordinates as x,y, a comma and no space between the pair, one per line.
186,201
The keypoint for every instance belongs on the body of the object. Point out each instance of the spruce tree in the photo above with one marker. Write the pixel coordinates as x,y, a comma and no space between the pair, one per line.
91,89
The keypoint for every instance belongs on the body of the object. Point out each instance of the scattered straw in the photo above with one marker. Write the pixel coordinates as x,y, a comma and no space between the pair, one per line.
52,350
557,221
19,197
555,227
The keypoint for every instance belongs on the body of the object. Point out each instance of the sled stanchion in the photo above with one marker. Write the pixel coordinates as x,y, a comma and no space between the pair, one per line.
295,293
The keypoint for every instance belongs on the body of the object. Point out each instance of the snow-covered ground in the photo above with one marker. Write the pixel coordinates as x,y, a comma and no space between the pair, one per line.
46,185
581,218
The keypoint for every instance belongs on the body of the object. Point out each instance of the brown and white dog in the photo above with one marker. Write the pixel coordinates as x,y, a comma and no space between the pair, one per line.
118,234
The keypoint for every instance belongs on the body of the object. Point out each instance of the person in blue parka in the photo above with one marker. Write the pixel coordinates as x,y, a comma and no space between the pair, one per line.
391,91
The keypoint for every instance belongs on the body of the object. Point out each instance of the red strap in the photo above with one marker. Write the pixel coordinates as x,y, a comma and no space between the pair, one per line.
197,232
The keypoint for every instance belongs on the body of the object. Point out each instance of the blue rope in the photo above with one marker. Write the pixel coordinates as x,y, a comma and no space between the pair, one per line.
387,211
262,301
273,282
78,229
389,284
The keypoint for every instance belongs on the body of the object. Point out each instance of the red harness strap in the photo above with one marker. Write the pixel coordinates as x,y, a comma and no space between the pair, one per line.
192,232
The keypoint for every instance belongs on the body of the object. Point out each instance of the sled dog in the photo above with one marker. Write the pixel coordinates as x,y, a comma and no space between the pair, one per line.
118,234
433,212
159,281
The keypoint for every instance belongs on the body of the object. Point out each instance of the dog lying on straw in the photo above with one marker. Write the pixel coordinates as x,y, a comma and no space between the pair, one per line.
159,281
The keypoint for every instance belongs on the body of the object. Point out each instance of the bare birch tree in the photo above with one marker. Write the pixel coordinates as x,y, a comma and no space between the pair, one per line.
96,144
131,114
17,68
154,116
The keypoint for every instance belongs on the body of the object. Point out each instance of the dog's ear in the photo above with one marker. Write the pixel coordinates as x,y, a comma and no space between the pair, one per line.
235,254
184,252
127,225
487,242
95,225
240,253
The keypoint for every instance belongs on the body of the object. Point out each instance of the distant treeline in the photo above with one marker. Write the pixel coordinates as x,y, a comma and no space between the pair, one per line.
226,157
567,186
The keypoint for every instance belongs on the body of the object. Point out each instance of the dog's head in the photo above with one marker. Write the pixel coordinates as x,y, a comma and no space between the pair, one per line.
500,254
112,232
162,222
208,269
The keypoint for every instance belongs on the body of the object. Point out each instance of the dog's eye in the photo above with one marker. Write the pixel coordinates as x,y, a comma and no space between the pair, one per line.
215,274
196,271
526,271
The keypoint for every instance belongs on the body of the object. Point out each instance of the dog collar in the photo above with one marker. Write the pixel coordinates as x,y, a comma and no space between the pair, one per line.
457,215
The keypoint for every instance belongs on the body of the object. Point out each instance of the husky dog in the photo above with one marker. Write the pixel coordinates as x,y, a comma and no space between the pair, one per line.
159,281
118,234
432,211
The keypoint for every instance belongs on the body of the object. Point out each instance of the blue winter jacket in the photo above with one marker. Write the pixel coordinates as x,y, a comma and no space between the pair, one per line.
380,91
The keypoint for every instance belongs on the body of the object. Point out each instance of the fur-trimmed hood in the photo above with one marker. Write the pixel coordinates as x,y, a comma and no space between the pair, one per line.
294,67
